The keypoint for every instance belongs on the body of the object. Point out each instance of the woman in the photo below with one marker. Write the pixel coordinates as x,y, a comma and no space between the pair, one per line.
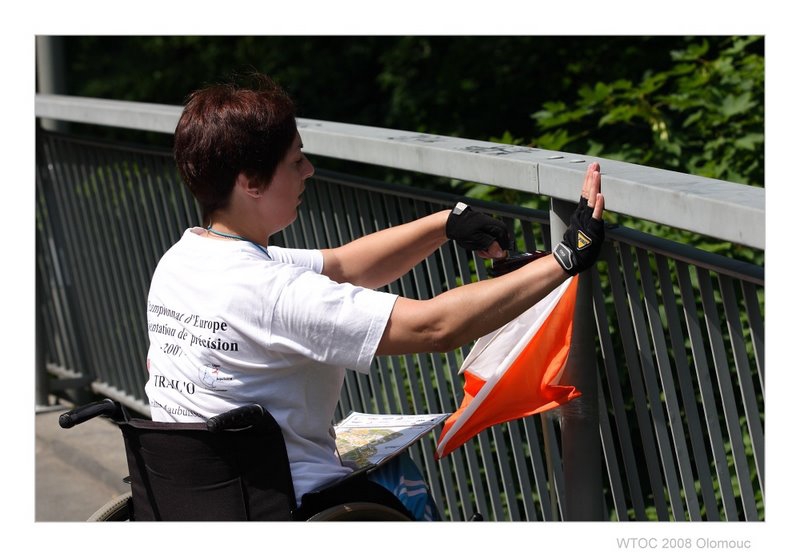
233,319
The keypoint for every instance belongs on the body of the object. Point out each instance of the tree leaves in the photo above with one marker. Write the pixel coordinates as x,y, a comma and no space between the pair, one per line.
704,115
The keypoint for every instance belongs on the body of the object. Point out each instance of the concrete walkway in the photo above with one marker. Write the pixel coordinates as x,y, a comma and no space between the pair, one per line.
78,469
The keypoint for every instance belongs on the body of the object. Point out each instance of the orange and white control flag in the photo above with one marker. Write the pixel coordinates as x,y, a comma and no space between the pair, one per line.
515,371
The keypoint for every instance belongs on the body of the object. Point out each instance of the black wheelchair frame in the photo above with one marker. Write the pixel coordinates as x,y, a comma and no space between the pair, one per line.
231,467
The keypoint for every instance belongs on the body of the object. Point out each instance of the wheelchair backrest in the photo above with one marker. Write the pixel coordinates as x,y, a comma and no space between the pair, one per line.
183,471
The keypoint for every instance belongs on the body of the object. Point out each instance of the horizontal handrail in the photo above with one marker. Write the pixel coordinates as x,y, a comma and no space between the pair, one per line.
725,210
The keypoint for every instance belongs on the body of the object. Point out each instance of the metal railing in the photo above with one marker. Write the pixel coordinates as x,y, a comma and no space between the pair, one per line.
677,364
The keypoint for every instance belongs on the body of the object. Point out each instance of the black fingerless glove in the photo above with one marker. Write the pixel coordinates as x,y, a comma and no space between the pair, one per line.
582,240
475,231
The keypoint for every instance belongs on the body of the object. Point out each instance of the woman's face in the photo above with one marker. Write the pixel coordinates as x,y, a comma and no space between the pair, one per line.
284,192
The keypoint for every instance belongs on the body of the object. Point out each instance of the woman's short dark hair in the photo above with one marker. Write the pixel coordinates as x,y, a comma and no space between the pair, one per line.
229,129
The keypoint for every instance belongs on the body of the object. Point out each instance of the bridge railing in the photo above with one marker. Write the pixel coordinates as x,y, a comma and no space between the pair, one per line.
670,426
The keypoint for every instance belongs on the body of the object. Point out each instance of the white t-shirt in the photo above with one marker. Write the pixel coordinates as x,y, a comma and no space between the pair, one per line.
231,325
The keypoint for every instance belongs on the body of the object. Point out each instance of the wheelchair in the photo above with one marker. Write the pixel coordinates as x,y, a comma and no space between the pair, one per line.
233,467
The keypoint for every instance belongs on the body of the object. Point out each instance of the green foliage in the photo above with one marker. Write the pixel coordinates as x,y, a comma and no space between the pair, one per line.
704,115
468,86
689,104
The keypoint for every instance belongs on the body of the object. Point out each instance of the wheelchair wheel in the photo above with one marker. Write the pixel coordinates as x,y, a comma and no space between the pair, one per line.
116,510
359,512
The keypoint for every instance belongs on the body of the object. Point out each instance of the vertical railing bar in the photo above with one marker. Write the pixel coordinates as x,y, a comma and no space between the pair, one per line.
187,213
139,332
520,462
381,380
489,474
354,230
505,482
626,331
287,238
59,297
293,236
147,245
77,272
399,210
397,383
308,230
163,239
55,348
466,506
78,227
153,245
344,405
49,294
726,394
528,235
395,377
427,274
444,404
555,470
744,373
612,466
407,289
326,219
328,215
139,268
517,443
462,265
71,267
472,449
444,255
452,359
103,269
708,399
538,466
664,367
110,244
389,379
312,226
694,424
133,200
320,233
615,390
551,512
52,305
169,202
436,475
339,221
651,386
331,196
385,372
756,321
136,341
425,291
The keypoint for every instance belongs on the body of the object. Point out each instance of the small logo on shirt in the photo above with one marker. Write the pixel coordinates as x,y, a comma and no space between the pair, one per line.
213,377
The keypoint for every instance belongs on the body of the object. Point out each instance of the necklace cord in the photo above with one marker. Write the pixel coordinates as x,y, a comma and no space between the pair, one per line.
237,237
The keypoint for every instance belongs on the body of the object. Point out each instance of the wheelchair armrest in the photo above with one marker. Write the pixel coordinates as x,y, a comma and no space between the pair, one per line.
106,407
238,418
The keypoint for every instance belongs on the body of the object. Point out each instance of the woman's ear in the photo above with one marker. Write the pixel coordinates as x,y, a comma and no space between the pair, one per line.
248,186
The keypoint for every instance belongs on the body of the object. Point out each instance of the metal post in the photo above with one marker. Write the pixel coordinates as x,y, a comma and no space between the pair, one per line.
42,385
580,432
50,73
